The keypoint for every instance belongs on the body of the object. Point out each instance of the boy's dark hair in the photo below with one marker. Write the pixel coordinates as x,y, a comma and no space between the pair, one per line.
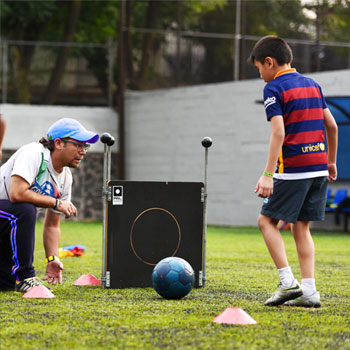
271,46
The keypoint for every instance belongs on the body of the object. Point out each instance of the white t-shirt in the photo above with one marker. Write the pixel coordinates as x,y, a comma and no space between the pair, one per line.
33,163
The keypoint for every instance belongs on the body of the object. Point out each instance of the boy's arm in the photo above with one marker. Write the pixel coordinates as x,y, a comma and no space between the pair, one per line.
264,187
332,140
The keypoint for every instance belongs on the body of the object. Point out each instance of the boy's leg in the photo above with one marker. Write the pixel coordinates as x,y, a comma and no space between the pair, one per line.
313,209
305,248
306,254
273,240
289,288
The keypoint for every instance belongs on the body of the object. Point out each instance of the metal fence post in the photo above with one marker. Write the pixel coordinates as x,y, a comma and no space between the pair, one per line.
4,71
111,54
237,41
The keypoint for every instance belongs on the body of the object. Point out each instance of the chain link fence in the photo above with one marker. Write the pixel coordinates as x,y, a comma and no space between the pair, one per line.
197,58
176,58
80,81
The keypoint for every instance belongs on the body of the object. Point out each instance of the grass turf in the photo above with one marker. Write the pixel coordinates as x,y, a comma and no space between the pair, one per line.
240,273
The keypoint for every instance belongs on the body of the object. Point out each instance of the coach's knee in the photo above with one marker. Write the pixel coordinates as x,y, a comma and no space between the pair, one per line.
26,212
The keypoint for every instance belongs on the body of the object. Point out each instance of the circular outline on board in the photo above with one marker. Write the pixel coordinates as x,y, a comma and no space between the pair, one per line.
132,227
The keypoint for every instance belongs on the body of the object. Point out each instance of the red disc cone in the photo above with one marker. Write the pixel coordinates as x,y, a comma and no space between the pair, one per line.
234,315
39,292
87,280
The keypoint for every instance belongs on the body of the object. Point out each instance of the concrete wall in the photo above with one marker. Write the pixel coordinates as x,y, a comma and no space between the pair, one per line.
164,133
28,123
164,129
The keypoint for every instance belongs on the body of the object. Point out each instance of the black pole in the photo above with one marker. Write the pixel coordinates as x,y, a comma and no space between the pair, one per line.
108,141
318,36
178,42
206,143
243,57
121,89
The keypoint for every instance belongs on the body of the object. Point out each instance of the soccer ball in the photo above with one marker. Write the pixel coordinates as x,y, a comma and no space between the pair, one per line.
173,278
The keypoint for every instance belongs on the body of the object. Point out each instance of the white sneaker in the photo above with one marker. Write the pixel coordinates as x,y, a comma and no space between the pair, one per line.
284,294
304,301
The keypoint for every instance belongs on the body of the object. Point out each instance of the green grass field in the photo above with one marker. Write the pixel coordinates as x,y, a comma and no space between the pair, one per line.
240,273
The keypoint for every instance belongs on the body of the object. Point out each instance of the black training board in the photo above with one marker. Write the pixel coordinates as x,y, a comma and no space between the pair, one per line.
148,221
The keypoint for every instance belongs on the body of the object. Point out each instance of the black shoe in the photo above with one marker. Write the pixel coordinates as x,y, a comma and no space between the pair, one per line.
27,283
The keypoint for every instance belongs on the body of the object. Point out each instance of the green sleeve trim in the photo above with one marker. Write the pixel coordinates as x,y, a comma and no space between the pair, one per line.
43,165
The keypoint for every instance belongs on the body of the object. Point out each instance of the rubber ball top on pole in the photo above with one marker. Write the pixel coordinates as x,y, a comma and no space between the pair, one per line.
107,139
207,142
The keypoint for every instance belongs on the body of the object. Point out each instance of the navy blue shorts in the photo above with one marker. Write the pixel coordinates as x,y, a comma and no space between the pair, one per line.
297,200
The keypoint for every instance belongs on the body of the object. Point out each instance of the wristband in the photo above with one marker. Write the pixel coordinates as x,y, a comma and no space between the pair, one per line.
57,204
51,258
267,174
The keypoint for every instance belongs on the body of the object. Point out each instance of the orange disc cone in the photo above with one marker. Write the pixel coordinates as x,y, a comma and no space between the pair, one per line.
234,315
87,280
39,292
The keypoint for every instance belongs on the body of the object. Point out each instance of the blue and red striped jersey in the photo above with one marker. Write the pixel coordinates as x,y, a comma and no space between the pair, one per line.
300,101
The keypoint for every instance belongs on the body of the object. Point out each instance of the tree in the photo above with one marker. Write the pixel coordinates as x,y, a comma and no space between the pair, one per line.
98,23
151,21
139,47
331,23
73,9
288,21
24,20
158,15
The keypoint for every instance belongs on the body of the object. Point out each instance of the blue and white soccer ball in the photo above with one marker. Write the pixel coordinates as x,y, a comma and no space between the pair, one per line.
173,278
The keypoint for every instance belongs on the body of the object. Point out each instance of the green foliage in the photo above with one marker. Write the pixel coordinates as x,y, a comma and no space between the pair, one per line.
335,18
240,274
263,17
191,12
334,21
20,17
278,17
98,21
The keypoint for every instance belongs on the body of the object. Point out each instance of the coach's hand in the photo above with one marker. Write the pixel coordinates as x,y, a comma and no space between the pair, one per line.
54,272
68,208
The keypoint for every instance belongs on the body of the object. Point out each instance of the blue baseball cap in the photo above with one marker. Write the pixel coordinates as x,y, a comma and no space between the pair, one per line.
67,127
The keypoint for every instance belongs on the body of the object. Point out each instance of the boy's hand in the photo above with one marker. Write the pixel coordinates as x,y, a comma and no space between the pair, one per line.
264,187
332,169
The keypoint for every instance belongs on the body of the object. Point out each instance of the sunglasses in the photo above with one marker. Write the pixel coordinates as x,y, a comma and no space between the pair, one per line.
80,146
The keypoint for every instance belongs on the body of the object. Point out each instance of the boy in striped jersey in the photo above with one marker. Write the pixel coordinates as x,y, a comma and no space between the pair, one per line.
295,189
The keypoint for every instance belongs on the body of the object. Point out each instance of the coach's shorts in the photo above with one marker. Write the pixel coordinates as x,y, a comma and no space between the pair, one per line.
297,200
